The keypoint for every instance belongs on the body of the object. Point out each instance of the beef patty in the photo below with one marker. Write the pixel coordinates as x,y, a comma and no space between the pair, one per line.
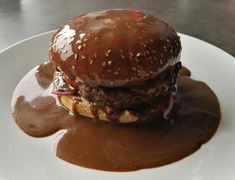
123,97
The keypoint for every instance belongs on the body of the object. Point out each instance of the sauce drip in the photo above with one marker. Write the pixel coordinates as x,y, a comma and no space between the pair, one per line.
118,147
184,71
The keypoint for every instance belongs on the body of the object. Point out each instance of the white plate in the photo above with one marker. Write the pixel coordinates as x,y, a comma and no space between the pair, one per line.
23,157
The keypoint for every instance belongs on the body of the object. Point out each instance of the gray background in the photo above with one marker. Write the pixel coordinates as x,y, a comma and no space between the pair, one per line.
210,20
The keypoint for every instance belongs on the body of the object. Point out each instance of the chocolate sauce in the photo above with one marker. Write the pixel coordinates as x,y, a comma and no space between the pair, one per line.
118,147
184,71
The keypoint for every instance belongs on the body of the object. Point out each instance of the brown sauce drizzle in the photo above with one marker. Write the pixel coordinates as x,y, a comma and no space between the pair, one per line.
118,147
184,71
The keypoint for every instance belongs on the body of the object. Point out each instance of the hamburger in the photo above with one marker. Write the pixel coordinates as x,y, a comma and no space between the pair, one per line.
116,65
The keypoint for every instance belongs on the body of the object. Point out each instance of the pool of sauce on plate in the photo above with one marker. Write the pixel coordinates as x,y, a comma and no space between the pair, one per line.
111,146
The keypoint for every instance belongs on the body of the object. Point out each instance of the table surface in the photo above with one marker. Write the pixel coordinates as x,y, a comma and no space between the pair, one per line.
210,20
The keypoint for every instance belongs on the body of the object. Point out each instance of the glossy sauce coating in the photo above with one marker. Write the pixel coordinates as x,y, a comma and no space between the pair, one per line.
117,147
114,48
184,71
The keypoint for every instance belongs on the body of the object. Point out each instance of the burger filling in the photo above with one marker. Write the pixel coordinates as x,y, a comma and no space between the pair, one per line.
155,92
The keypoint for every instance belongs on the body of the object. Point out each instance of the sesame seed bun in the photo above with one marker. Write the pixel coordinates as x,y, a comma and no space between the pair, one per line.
114,48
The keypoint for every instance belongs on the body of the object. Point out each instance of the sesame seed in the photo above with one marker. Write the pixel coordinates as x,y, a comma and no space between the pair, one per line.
79,47
73,66
116,73
108,53
147,74
143,44
109,63
84,45
128,26
140,37
167,40
83,57
121,50
75,56
96,38
147,52
111,82
131,54
91,61
85,40
139,71
161,61
123,57
151,40
78,41
104,63
136,59
95,55
138,54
